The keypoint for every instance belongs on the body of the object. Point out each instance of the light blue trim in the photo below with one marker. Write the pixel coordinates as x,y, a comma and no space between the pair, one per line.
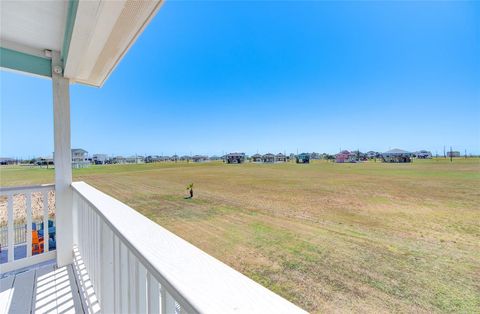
15,60
71,15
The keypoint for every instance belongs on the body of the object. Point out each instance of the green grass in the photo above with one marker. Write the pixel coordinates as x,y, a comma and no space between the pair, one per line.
369,237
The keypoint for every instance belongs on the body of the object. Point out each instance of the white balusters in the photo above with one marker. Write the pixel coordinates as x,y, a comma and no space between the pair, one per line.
117,272
132,282
10,227
163,300
153,294
19,225
107,271
124,284
141,289
168,303
45,221
28,203
98,256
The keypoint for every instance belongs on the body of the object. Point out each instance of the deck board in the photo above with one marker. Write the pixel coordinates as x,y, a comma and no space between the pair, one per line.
6,285
43,299
47,289
23,287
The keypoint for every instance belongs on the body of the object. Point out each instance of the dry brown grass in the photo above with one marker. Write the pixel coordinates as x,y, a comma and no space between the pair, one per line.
331,238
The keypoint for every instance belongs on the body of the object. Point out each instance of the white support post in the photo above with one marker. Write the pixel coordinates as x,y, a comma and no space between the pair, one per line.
63,163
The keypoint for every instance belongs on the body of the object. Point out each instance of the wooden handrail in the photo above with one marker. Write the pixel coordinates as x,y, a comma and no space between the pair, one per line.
23,189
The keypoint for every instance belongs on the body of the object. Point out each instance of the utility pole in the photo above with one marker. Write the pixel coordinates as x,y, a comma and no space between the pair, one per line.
465,154
451,154
444,155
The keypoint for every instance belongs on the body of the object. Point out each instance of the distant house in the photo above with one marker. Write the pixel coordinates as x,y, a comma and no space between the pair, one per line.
371,154
314,156
131,160
174,158
99,159
342,157
303,158
397,155
154,158
199,158
135,159
7,161
358,156
215,158
44,161
235,158
257,158
346,156
268,158
118,160
280,158
423,154
453,154
79,155
80,158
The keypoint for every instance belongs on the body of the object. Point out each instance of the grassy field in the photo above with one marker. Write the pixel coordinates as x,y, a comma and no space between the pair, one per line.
367,237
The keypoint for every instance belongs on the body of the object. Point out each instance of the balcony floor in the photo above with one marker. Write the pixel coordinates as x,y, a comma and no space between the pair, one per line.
19,251
46,289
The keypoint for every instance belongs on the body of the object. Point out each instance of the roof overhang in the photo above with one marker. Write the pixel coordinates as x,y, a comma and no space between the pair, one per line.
92,36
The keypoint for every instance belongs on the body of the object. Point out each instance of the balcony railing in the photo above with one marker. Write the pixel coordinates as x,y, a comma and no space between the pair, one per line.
16,245
136,266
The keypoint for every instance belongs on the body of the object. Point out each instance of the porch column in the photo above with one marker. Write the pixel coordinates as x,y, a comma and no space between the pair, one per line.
63,163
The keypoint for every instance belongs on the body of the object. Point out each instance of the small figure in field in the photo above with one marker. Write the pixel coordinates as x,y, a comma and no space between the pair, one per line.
190,189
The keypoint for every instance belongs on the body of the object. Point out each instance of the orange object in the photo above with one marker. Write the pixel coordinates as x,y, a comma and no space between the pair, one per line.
37,243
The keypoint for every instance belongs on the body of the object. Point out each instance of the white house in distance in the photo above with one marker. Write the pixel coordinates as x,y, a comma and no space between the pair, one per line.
423,154
397,156
99,159
454,153
80,158
108,257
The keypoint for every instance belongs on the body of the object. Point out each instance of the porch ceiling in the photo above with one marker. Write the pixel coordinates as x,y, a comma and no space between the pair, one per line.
37,25
92,36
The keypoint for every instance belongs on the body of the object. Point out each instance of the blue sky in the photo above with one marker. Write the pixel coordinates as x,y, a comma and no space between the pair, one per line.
209,77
